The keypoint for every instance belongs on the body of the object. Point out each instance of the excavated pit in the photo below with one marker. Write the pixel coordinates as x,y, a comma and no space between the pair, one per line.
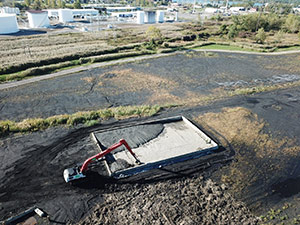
156,144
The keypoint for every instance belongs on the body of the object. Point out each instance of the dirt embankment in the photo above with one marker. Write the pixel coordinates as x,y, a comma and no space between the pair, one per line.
184,201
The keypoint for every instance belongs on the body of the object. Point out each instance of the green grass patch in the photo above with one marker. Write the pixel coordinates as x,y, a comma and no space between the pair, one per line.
89,118
252,90
222,47
290,48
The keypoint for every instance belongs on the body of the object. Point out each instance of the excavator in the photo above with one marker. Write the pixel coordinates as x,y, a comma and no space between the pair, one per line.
79,172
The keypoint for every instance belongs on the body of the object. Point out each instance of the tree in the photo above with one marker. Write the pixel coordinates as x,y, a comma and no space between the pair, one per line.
37,5
154,33
77,4
232,31
61,4
292,23
27,3
279,8
52,4
260,36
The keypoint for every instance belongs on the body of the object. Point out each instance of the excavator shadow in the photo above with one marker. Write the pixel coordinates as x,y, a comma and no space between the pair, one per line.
93,180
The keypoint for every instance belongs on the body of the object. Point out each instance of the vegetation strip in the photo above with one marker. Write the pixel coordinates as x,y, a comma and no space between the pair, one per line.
65,58
35,71
88,118
210,46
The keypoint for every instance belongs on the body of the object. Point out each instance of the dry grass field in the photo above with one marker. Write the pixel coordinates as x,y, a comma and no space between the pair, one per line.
32,55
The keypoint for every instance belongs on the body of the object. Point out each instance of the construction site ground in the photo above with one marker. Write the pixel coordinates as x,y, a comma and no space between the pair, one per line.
258,169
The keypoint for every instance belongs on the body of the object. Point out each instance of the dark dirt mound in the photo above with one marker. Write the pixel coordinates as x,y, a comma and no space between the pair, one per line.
135,136
185,201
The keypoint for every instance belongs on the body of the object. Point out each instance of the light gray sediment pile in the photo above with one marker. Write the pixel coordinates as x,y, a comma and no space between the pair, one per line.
185,201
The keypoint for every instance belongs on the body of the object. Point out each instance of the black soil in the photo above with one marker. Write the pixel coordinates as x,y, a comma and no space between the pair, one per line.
183,74
135,136
32,164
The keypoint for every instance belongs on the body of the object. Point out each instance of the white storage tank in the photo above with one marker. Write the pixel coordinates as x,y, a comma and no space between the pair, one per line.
52,13
140,17
65,15
38,19
8,23
160,16
211,10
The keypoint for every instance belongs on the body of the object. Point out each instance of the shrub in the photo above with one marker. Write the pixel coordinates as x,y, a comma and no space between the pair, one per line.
105,113
91,123
260,37
232,32
153,33
279,36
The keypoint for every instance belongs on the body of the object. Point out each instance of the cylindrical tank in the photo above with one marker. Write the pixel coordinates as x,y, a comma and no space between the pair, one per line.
8,23
38,19
140,17
65,15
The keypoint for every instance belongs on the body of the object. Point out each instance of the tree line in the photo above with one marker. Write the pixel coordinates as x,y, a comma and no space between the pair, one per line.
42,4
259,23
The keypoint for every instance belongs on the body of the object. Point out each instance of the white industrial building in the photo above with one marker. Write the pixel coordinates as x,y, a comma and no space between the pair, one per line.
84,12
52,13
8,23
65,15
110,10
10,10
123,14
160,16
150,17
211,10
140,17
237,9
38,19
